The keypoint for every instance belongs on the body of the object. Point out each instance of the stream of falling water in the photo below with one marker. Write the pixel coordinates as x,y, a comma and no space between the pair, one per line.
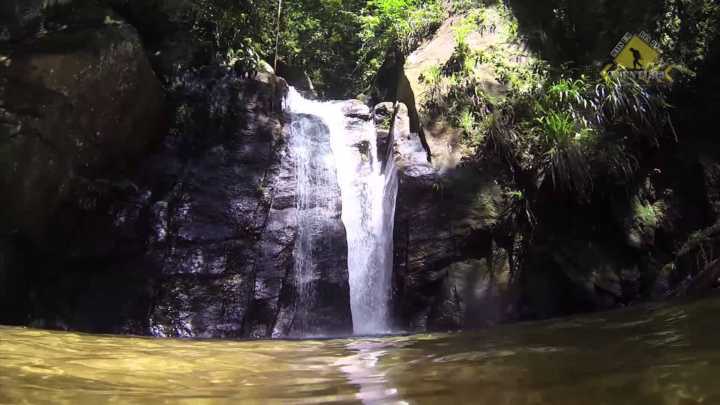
368,194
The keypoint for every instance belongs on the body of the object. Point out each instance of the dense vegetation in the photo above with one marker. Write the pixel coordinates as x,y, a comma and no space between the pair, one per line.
562,128
340,44
560,124
343,43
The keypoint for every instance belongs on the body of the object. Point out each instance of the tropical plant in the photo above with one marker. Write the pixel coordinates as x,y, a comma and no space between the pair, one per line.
562,142
467,122
568,91
622,100
243,57
464,29
433,78
557,128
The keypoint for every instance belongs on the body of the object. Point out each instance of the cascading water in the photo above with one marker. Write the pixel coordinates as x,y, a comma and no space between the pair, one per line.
318,201
368,193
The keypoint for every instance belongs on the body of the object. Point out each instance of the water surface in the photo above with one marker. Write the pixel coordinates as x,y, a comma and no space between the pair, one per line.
650,355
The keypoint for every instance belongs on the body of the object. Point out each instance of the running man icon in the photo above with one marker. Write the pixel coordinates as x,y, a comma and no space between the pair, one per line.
633,53
637,57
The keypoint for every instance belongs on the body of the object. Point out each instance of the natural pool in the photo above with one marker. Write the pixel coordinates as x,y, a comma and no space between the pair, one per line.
657,354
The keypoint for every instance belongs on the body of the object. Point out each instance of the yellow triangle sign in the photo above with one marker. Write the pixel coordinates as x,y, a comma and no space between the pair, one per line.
637,54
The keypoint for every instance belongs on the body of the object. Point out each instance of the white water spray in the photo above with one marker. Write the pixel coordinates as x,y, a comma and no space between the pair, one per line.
368,208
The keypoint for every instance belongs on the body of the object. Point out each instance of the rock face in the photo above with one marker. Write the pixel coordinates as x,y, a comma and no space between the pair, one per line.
78,105
200,243
463,260
210,209
414,87
112,224
445,260
314,291
75,105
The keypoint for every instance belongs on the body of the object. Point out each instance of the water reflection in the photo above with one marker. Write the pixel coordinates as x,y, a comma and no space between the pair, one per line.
667,356
363,371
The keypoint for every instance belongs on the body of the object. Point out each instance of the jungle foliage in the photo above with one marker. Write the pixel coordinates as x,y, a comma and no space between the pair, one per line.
340,44
561,119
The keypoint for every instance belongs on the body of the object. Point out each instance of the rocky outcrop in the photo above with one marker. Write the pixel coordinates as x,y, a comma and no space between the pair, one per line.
196,239
312,297
79,108
445,262
641,236
108,224
167,30
75,105
415,85
210,206
464,257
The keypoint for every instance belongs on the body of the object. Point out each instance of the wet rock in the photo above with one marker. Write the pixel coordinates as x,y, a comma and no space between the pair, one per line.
201,307
475,293
225,234
314,298
214,229
383,114
297,78
356,109
441,219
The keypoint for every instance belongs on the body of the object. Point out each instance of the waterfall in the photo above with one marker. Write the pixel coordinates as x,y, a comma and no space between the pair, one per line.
318,207
368,190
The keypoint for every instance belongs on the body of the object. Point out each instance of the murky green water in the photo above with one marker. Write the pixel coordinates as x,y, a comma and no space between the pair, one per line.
658,355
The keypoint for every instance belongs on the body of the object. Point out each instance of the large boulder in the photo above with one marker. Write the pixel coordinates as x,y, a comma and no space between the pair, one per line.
76,106
80,106
167,29
180,250
415,85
